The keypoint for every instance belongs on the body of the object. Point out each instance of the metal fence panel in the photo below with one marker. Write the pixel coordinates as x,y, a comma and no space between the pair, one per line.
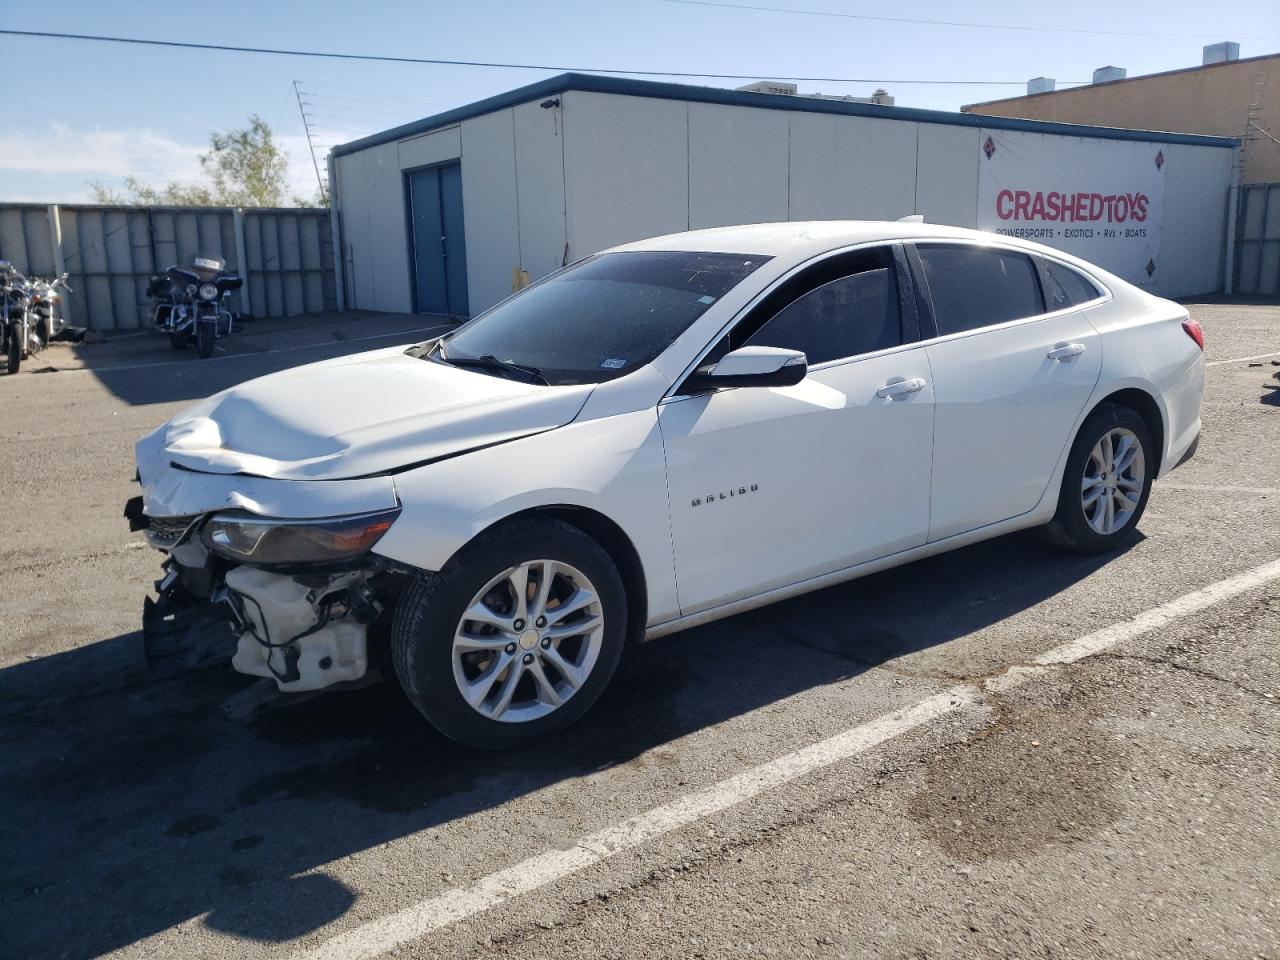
110,253
1258,240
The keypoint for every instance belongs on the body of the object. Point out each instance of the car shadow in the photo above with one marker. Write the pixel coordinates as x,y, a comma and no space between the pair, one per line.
134,803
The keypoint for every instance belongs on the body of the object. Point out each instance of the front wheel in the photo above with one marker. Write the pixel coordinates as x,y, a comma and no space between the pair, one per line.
1106,482
206,334
14,353
515,638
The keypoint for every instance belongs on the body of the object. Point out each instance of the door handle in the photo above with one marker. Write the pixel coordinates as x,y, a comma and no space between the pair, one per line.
898,387
1065,351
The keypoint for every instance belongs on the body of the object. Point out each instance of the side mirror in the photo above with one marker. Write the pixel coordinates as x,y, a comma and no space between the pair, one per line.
751,367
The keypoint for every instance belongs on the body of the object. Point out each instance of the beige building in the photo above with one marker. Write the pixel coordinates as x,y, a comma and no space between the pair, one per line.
1234,98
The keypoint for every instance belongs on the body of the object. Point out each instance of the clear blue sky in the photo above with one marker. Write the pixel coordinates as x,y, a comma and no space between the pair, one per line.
100,111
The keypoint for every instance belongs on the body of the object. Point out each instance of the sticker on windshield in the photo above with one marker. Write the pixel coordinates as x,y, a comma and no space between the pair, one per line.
708,300
613,364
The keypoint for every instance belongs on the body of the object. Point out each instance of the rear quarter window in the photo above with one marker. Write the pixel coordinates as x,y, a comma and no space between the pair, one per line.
1064,287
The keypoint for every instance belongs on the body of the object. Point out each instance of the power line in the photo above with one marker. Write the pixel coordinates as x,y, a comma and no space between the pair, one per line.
935,23
505,66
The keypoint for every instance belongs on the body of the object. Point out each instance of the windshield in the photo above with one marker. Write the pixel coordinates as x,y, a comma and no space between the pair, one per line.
601,318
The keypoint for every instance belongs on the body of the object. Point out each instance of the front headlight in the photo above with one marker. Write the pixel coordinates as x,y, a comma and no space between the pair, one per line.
243,536
208,291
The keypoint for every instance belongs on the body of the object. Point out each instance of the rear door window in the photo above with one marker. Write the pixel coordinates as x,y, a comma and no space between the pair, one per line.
973,287
1064,287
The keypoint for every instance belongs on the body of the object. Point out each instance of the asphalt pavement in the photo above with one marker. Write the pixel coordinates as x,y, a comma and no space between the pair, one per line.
1001,752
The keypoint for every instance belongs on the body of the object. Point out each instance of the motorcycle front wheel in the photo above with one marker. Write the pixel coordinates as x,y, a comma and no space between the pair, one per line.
14,352
206,333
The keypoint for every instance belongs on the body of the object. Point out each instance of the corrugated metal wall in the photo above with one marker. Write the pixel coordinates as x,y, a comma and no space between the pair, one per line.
111,251
1258,240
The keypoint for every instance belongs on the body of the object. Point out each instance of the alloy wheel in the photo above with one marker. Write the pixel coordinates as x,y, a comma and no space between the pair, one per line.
528,641
1114,475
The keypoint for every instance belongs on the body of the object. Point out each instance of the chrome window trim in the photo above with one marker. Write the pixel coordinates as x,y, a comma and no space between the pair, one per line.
996,241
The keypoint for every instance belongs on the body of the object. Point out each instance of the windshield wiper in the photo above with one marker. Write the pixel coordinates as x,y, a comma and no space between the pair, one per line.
489,362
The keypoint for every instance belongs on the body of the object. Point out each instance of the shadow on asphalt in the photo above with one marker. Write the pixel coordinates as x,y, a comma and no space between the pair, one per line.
1272,395
143,368
134,803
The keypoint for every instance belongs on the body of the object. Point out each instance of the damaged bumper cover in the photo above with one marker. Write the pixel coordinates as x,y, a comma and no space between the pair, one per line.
302,625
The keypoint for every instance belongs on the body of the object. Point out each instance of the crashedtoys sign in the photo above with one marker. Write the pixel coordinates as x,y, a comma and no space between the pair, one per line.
1098,199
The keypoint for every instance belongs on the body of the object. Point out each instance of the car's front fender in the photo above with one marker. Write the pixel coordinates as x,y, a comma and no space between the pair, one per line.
613,465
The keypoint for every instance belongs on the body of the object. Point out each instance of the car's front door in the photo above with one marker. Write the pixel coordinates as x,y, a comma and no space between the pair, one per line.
1011,378
772,486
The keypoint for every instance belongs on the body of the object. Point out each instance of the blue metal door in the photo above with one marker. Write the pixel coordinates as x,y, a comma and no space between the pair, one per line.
455,250
439,243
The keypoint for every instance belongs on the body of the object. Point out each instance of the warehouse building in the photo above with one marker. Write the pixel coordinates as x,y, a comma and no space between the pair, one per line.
1224,96
452,213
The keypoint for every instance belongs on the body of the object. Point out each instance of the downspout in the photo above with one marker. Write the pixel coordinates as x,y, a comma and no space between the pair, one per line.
335,234
1233,203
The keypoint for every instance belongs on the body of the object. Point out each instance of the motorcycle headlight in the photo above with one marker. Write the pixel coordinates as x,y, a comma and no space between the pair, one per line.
191,289
242,536
208,291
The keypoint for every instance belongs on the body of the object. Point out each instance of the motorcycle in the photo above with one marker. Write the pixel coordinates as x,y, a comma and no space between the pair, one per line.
191,301
45,304
30,313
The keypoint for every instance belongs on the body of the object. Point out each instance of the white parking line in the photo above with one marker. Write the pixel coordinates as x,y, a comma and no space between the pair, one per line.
1214,488
262,353
376,937
1257,356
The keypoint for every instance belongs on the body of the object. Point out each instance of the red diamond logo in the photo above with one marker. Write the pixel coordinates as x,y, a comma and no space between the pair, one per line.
1151,267
989,147
1159,159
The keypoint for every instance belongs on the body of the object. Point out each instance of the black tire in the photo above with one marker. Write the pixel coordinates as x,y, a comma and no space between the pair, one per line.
206,334
431,608
14,353
179,339
1070,528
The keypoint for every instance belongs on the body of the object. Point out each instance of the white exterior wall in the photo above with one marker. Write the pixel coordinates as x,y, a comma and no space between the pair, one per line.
605,168
540,186
624,180
1192,254
489,206
375,235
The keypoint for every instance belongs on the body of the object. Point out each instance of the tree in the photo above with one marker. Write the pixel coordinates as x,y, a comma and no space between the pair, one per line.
245,167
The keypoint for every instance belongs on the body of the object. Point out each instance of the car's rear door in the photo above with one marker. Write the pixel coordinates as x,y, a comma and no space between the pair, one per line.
772,486
1011,375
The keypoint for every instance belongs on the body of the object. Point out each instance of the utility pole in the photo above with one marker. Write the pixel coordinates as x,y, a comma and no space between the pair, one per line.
311,143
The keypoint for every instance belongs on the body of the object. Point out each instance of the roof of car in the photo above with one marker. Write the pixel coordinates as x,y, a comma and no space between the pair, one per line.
792,243
801,238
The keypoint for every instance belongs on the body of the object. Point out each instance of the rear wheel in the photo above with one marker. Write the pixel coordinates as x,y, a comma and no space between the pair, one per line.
206,333
1106,482
179,339
515,638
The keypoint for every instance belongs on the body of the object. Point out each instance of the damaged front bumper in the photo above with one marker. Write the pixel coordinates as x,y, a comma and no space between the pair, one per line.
306,628
305,632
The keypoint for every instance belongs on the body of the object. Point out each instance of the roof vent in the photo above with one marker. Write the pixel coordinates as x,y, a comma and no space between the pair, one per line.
1041,85
1107,74
1221,52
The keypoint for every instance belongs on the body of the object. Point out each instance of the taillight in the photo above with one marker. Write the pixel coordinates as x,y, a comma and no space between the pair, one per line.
1194,331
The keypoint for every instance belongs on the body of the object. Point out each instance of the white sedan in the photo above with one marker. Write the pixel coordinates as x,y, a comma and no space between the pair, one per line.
662,434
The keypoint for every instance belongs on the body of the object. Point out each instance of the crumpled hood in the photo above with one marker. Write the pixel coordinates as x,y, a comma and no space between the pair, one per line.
360,415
